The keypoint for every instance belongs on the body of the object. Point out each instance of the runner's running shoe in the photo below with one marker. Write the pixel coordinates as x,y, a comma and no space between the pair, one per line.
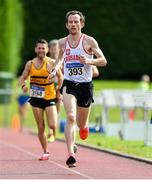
71,162
51,138
83,133
44,157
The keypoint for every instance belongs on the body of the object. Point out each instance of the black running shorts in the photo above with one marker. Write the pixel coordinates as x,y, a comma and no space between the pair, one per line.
41,103
82,91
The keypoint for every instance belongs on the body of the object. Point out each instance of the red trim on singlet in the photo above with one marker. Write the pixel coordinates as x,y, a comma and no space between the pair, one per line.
77,43
83,46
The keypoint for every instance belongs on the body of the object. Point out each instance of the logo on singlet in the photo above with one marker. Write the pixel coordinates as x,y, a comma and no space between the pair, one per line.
67,51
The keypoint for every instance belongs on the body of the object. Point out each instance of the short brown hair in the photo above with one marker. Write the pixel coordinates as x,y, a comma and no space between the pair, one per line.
53,42
82,17
42,41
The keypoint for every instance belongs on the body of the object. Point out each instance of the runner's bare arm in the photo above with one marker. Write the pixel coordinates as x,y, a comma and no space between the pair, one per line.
25,74
60,78
95,72
50,65
58,61
100,59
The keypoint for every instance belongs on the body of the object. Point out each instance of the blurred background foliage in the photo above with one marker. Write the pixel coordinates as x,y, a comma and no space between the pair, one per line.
11,34
121,27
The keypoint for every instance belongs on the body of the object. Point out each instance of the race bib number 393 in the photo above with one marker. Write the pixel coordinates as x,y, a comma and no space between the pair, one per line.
36,91
75,69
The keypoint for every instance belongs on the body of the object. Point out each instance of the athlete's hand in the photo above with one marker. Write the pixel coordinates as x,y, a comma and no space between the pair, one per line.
84,60
51,76
25,89
58,95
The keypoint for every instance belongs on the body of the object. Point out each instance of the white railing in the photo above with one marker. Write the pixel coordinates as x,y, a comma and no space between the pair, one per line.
127,100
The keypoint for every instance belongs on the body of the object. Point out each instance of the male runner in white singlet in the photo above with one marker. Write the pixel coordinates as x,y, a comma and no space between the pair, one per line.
76,51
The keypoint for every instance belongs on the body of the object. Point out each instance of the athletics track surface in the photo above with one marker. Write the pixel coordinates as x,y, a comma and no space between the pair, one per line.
19,153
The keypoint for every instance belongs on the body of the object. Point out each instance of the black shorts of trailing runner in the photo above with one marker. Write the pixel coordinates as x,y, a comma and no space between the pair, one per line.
41,103
82,91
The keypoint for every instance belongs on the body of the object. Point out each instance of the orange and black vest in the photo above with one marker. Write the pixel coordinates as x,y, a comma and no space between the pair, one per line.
40,87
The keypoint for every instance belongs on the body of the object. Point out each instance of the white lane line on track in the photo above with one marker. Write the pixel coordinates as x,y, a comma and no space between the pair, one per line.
53,162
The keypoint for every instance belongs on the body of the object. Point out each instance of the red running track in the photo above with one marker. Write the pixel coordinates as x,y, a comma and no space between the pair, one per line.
19,153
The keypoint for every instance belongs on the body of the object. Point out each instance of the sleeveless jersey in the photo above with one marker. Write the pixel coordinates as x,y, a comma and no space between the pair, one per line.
40,87
73,69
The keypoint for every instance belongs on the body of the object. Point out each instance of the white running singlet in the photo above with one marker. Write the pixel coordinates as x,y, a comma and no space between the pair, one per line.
73,69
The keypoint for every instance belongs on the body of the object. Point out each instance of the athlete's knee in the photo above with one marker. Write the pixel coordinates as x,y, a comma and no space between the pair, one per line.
52,126
71,117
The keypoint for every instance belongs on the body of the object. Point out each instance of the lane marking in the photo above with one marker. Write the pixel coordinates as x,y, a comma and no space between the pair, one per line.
50,161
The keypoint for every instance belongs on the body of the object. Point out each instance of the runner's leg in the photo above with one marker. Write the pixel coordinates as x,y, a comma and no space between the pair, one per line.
70,108
39,117
83,116
51,114
82,121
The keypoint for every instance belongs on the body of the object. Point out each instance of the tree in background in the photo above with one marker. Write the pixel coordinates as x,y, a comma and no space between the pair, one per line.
122,27
11,34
